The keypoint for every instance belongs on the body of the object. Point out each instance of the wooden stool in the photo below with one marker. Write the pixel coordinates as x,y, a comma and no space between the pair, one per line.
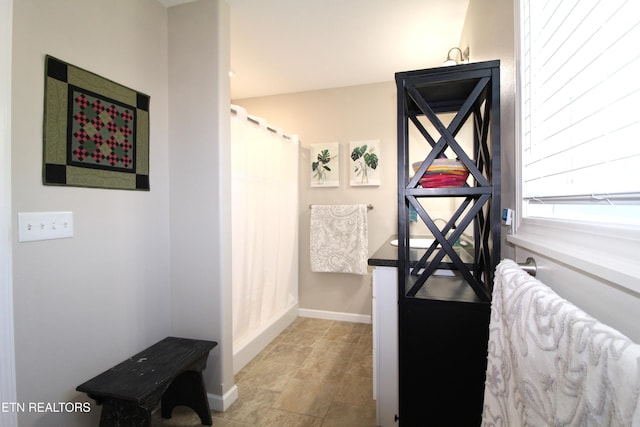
169,372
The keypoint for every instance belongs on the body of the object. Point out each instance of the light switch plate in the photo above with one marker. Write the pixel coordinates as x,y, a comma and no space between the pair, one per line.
44,226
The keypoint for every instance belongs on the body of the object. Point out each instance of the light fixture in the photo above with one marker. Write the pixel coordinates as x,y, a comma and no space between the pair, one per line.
452,60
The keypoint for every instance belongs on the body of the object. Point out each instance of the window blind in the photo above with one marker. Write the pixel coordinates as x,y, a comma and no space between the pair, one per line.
580,104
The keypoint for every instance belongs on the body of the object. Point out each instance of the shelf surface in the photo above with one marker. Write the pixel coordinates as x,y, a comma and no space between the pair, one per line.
445,288
451,91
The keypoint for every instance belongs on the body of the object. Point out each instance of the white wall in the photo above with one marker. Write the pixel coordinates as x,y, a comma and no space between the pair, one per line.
7,359
86,303
142,265
200,161
339,115
489,33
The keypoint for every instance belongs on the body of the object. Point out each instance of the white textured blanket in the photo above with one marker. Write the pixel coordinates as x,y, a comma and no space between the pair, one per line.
551,364
339,239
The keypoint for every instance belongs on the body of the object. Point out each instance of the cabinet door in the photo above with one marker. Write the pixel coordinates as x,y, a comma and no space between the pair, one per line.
385,324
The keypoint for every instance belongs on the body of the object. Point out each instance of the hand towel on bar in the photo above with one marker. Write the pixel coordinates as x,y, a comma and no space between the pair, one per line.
339,239
551,364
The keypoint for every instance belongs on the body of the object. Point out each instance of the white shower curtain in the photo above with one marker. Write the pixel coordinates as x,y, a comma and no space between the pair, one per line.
264,225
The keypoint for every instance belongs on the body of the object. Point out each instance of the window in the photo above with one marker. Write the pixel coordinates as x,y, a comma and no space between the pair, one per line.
580,103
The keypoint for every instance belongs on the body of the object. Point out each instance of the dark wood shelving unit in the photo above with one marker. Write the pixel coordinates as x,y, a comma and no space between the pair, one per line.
443,318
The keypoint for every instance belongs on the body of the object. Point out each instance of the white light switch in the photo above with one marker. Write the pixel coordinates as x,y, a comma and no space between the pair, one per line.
44,225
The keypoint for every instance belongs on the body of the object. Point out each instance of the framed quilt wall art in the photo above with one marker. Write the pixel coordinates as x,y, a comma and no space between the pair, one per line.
96,131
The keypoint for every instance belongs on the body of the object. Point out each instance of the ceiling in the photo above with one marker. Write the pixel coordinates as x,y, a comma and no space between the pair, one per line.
285,46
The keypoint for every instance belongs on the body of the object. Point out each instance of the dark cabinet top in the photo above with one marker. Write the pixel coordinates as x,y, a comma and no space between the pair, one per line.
387,254
450,288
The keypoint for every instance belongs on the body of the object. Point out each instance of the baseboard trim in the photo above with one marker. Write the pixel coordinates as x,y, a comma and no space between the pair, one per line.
221,403
334,315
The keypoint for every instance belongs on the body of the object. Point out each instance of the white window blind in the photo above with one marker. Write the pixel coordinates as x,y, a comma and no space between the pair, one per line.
580,109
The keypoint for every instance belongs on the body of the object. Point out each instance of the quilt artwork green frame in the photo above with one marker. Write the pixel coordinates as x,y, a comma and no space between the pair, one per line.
96,131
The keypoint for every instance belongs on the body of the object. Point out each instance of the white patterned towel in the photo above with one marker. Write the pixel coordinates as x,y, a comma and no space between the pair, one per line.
339,239
551,364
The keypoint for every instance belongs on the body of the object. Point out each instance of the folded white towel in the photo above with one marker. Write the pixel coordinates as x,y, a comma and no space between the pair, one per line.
339,239
551,364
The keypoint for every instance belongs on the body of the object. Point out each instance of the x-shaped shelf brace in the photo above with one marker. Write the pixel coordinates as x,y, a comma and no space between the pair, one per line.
447,133
481,193
446,246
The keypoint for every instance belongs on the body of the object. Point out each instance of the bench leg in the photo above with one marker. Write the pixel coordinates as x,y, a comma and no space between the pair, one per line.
187,389
119,413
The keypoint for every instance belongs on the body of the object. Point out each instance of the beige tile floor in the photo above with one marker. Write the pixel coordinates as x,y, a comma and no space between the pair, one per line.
317,373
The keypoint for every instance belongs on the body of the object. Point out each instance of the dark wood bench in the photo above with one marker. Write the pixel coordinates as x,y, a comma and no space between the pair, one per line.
168,373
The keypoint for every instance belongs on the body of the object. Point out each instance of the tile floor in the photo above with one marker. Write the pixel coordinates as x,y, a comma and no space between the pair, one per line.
317,373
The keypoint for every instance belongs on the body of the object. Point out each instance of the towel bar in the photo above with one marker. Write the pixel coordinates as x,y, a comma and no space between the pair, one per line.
369,207
529,266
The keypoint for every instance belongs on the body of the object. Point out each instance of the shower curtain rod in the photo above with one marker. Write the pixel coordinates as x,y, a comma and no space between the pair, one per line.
257,122
369,207
269,128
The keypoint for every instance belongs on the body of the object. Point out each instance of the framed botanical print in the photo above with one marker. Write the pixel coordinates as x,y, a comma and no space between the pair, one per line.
364,169
325,165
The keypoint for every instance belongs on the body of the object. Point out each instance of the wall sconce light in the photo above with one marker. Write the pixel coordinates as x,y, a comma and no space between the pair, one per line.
452,60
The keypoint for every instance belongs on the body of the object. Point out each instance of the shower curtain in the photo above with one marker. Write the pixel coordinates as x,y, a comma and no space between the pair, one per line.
264,225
